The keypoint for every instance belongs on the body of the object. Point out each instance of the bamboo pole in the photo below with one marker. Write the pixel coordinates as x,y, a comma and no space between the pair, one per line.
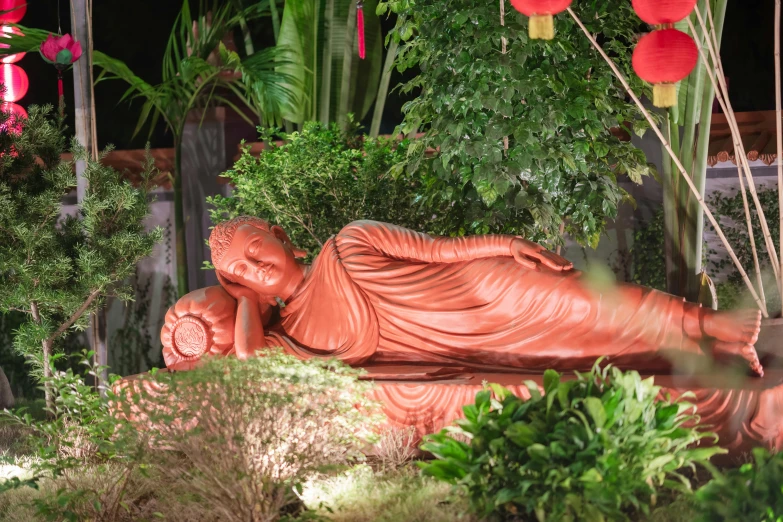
326,63
721,96
739,147
778,116
345,83
674,157
503,50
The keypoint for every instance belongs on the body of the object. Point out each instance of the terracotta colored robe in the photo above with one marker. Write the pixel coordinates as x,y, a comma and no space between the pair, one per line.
380,293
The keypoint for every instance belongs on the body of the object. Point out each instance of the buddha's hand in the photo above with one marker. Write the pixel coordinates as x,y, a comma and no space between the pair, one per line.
530,255
235,290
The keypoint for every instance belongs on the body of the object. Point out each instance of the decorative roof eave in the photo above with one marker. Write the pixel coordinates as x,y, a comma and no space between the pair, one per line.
757,130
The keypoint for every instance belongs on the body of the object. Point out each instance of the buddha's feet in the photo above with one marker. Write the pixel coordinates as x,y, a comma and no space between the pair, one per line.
733,327
730,350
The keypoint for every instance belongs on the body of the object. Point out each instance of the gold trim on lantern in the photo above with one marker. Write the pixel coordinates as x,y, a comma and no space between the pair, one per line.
541,27
665,95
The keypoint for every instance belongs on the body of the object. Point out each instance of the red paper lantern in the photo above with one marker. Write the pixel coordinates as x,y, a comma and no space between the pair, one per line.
15,80
541,25
663,58
19,9
11,58
661,12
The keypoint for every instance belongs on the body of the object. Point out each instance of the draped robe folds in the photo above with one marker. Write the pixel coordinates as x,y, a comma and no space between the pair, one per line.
379,293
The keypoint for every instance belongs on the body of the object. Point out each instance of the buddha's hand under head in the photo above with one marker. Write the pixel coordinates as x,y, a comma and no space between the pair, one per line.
236,290
530,255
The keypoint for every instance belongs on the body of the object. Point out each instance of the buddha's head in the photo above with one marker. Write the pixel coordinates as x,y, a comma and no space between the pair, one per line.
250,252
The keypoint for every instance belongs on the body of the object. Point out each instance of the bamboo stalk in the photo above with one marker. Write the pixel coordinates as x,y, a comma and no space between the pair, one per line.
383,88
739,147
778,116
721,97
503,49
698,158
345,83
326,63
674,157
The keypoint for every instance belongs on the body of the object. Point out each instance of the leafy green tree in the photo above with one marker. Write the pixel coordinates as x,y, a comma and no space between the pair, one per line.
56,270
522,128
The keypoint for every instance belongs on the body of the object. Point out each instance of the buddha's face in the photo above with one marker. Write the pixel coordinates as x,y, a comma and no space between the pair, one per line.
260,261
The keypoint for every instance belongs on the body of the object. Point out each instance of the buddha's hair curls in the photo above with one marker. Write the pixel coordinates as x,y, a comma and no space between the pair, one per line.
223,233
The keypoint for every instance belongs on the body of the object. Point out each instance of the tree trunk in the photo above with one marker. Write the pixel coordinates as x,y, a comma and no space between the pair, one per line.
46,348
47,368
179,220
6,396
85,129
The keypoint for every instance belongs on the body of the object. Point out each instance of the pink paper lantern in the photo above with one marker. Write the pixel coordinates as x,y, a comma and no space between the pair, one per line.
16,83
19,9
11,58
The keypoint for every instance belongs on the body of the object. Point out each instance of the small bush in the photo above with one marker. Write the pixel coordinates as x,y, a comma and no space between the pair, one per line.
320,180
233,440
754,491
244,435
403,495
593,448
395,448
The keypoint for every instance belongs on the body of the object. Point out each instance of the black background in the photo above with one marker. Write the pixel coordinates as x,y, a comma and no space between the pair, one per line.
136,32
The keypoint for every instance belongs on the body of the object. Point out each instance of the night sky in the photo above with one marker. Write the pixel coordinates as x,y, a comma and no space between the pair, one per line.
136,32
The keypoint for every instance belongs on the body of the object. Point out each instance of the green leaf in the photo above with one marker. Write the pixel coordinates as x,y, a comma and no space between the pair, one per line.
596,410
551,381
591,475
500,392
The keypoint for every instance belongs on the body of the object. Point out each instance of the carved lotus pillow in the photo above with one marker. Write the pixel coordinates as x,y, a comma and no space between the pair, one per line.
200,323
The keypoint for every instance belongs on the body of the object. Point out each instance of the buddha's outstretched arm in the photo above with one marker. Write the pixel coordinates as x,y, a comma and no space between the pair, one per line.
401,243
248,329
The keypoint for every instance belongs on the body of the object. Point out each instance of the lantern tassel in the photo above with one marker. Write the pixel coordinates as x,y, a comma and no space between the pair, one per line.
541,27
360,27
665,95
60,84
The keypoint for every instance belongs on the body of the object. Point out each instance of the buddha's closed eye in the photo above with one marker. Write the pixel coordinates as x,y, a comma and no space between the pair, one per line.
240,270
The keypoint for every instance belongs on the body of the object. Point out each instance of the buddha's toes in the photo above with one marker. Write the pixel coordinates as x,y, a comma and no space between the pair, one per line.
733,327
723,349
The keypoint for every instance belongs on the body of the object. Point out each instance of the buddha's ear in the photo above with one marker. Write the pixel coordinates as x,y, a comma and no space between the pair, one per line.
280,234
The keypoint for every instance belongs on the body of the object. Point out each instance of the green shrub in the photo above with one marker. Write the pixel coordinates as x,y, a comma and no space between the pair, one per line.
243,435
752,492
593,448
649,263
320,180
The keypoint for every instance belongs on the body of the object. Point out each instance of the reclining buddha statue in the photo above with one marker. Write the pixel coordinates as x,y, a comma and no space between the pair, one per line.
379,293
430,318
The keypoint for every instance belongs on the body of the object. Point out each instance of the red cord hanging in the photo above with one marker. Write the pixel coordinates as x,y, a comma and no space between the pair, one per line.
360,27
